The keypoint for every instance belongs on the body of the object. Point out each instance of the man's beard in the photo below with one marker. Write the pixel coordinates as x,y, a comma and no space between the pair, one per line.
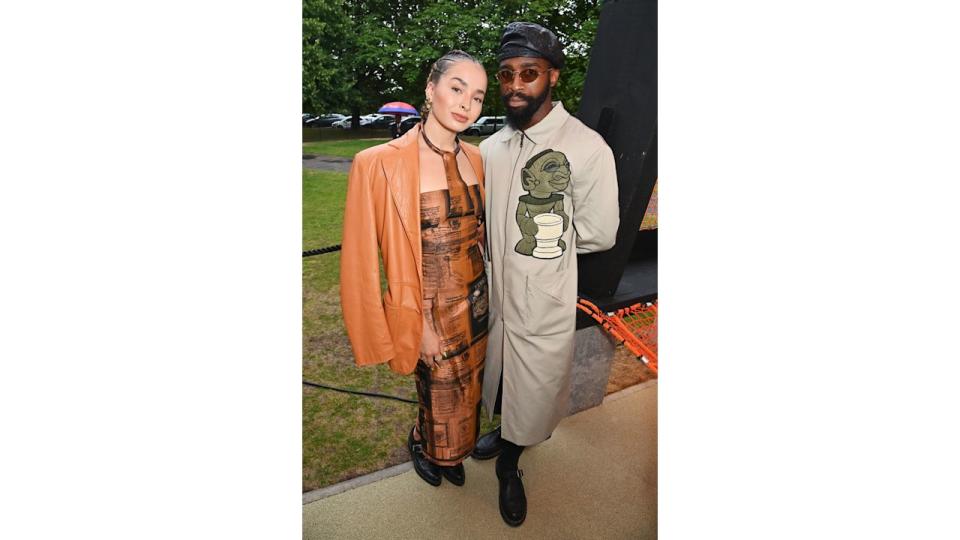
518,117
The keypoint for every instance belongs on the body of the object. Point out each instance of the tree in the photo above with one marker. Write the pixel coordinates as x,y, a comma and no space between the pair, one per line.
326,32
359,54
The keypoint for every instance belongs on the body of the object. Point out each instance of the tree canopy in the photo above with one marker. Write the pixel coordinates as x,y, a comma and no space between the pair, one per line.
359,54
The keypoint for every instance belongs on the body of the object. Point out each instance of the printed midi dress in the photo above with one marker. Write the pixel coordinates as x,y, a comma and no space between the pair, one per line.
456,304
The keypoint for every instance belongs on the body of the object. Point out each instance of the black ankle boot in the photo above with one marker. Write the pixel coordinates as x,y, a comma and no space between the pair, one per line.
424,467
455,474
488,446
513,501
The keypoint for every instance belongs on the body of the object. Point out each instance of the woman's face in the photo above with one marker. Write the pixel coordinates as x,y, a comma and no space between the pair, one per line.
458,96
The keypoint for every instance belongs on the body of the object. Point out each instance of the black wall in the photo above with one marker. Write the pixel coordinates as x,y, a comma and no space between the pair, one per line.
620,102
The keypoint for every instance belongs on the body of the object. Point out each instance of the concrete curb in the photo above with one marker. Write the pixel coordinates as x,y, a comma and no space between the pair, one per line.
336,489
359,481
628,390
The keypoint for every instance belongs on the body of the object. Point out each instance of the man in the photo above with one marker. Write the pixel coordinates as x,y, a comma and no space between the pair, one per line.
551,194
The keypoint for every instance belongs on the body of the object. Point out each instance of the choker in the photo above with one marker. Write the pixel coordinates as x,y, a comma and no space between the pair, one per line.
456,141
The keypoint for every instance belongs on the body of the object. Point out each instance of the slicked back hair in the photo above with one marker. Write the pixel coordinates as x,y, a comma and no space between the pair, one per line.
438,68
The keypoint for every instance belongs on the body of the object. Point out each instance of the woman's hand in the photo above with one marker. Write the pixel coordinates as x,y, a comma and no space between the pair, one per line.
430,351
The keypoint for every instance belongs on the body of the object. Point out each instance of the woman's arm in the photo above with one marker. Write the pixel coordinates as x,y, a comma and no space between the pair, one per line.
360,297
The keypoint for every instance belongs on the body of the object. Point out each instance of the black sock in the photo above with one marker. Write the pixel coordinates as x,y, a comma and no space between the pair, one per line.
510,457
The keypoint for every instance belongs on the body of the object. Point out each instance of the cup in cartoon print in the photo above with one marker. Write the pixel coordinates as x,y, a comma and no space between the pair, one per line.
549,230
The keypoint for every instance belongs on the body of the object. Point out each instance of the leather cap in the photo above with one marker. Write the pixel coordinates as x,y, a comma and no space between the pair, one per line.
530,39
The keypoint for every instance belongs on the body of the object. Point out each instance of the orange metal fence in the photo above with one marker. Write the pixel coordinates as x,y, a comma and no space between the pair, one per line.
634,326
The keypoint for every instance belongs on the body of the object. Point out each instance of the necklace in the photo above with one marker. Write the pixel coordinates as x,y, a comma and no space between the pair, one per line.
456,141
460,200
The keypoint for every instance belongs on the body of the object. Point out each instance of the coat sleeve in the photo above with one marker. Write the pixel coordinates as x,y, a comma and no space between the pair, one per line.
360,297
596,202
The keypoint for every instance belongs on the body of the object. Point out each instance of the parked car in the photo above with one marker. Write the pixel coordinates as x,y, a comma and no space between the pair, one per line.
405,126
382,121
369,119
485,125
347,122
325,120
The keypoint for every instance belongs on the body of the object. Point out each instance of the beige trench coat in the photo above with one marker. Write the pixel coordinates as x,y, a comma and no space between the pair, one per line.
556,179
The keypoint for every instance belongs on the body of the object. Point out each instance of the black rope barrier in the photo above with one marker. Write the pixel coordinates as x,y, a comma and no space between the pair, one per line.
358,392
321,251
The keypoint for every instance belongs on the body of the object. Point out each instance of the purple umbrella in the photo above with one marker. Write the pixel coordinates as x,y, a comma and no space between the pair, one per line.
397,109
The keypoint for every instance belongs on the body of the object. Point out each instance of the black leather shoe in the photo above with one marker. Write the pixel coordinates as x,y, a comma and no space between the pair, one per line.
488,446
513,501
455,474
424,467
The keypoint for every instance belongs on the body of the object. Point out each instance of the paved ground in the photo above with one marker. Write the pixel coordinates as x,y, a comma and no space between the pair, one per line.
326,163
595,478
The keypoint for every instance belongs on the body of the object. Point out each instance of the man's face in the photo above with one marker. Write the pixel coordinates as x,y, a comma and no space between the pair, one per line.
523,99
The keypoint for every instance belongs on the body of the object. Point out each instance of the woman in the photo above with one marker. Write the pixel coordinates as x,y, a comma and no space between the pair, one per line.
419,199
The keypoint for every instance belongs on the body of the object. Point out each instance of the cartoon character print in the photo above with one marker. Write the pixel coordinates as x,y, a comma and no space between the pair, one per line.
540,213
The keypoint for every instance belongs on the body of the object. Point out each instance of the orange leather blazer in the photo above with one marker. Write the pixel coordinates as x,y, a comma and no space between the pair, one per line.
383,213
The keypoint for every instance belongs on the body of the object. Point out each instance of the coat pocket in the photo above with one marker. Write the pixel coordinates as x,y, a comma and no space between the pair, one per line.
402,294
406,329
403,318
546,311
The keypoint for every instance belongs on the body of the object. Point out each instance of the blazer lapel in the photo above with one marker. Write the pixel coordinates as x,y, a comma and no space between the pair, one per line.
402,171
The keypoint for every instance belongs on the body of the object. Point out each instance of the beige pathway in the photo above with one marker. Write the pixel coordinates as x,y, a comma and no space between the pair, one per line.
595,478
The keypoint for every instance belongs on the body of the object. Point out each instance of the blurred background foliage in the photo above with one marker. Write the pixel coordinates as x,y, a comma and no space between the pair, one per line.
358,55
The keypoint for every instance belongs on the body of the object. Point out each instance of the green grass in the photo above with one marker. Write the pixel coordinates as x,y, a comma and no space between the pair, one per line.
345,148
348,148
324,193
344,435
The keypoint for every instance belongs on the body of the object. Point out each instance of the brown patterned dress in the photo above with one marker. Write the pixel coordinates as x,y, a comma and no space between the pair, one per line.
455,303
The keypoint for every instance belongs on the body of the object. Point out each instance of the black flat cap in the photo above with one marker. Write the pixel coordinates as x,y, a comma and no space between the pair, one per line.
530,39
